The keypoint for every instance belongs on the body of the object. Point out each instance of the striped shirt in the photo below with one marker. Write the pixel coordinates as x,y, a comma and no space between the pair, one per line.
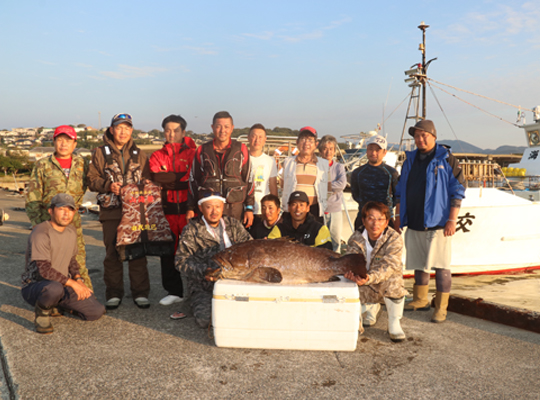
306,175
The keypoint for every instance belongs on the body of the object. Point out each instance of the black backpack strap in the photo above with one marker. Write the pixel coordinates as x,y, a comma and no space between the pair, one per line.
135,152
107,153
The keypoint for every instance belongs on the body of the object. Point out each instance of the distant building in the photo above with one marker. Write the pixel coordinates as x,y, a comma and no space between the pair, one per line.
37,153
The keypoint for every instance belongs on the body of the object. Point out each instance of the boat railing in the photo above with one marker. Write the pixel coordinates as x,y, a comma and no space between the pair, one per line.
482,173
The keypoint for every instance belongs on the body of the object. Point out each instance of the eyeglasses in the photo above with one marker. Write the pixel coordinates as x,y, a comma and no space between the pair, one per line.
373,219
307,140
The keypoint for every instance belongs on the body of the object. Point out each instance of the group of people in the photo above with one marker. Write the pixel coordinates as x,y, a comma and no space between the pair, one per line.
224,192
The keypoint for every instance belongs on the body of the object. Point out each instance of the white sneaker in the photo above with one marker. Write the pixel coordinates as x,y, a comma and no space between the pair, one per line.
113,303
170,299
142,302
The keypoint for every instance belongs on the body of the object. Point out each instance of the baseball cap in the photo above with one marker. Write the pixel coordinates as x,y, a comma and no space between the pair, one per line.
378,140
65,130
121,118
63,200
298,196
425,125
308,129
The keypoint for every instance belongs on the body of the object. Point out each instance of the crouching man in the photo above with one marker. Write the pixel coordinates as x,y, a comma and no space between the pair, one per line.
382,247
52,280
201,239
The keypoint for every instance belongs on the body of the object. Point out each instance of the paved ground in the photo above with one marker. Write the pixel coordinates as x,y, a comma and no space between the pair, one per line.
142,354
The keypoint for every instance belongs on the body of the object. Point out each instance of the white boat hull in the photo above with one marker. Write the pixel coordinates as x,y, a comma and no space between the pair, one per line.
497,233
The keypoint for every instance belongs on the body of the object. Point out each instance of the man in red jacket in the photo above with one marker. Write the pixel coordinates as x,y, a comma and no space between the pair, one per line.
170,168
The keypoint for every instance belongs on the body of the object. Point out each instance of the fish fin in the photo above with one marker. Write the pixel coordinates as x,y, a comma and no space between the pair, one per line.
265,275
334,279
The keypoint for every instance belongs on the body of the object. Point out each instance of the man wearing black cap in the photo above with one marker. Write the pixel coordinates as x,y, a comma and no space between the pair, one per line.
428,197
300,225
117,163
52,278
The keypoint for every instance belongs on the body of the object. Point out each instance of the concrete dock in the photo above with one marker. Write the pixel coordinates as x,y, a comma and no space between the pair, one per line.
142,354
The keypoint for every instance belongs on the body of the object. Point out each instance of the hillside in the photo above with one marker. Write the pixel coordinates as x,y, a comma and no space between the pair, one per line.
459,146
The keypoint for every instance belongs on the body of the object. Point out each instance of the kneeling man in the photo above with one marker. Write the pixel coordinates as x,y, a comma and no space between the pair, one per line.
299,224
382,247
201,239
52,278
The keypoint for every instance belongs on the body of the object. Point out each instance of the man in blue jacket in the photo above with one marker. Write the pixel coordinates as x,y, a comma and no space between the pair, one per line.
428,197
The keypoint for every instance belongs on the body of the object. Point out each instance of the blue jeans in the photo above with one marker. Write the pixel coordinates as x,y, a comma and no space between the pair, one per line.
49,294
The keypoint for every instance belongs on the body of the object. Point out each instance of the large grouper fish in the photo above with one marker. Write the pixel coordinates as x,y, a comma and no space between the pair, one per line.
283,261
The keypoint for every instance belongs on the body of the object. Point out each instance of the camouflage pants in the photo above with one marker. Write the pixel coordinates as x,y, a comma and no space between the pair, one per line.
81,254
375,293
200,295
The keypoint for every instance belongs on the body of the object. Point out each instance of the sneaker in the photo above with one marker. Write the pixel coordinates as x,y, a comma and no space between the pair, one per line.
42,321
170,299
112,303
142,302
178,315
56,312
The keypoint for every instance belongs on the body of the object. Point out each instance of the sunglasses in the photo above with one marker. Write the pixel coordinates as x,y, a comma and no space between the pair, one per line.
122,116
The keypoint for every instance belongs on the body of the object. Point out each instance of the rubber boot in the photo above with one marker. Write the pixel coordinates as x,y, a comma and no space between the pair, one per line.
43,320
370,313
441,304
394,308
420,299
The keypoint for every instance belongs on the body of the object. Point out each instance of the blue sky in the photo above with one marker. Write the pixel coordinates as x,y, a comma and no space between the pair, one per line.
333,65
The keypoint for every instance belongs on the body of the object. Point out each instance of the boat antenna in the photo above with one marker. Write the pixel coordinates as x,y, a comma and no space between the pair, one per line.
416,77
423,26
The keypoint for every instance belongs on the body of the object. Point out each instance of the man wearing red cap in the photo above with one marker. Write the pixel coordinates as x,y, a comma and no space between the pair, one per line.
306,173
63,172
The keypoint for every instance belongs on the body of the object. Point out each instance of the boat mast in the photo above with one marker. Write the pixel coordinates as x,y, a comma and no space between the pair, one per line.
416,77
423,28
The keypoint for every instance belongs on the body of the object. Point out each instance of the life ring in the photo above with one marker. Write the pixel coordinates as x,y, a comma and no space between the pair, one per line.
284,150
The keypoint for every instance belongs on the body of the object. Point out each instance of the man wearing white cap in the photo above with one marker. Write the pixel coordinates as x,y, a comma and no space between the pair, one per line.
202,238
374,181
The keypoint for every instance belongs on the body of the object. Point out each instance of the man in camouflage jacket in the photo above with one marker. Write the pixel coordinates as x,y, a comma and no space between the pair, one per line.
386,267
49,178
116,163
201,239
382,248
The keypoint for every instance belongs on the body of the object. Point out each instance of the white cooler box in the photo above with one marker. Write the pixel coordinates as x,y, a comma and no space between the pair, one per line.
315,316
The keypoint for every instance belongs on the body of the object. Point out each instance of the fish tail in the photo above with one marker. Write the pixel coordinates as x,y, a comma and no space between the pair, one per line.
355,263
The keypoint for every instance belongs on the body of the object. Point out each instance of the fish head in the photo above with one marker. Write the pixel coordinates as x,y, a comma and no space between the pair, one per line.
233,263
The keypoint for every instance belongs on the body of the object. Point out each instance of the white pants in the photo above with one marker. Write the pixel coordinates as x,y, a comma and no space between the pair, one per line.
428,250
334,222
